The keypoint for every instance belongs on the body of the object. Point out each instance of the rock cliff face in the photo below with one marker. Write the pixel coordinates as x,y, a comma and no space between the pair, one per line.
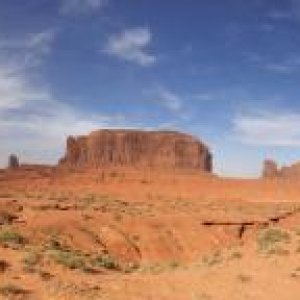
270,169
133,148
13,162
292,171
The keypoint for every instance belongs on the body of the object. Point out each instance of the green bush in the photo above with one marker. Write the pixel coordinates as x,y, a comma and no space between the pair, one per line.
31,258
270,238
106,261
11,237
68,259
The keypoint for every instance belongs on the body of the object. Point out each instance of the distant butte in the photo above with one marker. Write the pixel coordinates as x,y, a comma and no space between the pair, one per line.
138,149
271,170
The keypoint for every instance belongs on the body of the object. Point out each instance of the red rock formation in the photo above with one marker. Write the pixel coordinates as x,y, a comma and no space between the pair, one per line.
270,169
13,162
133,148
292,171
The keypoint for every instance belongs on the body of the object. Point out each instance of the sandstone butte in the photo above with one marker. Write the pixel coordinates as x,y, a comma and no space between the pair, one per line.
139,149
271,170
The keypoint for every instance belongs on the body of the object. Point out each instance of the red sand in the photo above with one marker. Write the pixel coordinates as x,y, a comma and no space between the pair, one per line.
159,236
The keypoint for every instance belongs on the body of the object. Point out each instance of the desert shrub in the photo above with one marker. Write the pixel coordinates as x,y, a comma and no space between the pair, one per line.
130,267
6,217
4,265
154,268
202,296
118,217
54,243
213,259
11,237
278,251
236,255
31,258
270,238
244,278
297,231
296,273
45,275
8,290
106,261
174,264
68,259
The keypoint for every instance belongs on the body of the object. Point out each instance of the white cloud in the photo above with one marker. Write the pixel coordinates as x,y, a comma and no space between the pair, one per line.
15,91
81,6
130,45
17,55
204,96
34,124
170,100
270,129
286,65
279,15
289,65
39,45
28,51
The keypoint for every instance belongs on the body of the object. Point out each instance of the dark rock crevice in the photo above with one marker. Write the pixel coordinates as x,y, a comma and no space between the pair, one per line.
243,226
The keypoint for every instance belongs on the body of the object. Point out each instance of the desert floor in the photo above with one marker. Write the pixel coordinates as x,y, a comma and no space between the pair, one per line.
124,234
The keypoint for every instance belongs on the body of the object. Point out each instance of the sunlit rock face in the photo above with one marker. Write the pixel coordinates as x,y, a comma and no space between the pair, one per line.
140,149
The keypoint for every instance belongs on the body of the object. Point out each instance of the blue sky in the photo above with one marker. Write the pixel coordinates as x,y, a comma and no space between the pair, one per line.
225,71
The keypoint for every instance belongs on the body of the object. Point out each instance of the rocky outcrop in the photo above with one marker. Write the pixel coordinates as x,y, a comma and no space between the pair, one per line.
292,171
13,162
270,169
141,149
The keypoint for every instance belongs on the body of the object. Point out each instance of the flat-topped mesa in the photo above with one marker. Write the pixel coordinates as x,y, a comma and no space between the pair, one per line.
138,149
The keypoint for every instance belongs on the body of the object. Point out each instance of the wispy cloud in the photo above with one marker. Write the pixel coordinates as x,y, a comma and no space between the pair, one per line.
15,92
34,124
17,56
29,50
287,66
170,100
206,96
33,121
131,45
269,129
279,15
81,6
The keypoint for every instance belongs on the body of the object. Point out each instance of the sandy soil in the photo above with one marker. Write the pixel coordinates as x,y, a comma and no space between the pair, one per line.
124,234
